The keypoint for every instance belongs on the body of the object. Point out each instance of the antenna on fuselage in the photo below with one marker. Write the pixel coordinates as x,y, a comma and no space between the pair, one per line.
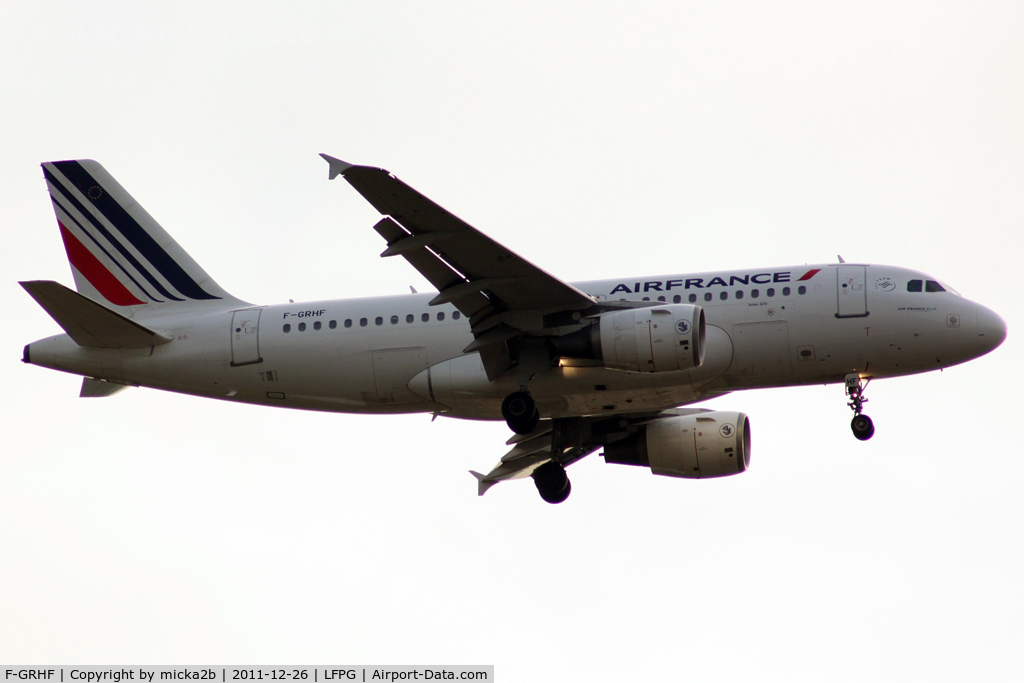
841,259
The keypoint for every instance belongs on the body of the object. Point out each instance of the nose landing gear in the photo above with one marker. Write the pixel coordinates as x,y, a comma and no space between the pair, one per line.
520,412
862,426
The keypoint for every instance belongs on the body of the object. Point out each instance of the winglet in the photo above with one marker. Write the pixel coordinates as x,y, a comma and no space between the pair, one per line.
482,483
338,167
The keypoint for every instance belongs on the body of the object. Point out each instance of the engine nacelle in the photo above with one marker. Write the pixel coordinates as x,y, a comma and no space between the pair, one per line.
658,339
664,338
699,446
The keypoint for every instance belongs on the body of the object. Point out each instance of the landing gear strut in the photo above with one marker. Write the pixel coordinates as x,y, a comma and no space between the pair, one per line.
862,426
520,412
552,482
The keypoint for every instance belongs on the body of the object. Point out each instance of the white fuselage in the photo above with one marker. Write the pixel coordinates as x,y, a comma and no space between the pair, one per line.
397,354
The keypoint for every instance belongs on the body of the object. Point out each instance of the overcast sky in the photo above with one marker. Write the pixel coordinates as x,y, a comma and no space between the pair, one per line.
597,140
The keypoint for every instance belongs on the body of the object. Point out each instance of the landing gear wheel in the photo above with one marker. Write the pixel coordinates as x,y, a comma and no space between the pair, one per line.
520,412
552,482
862,426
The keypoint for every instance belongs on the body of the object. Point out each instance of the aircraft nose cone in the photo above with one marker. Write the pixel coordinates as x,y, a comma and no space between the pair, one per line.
991,329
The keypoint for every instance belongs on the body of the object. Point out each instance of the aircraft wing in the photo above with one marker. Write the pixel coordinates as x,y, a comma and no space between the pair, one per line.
501,292
572,440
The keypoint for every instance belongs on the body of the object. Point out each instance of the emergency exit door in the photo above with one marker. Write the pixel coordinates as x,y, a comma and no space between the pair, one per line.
245,337
851,292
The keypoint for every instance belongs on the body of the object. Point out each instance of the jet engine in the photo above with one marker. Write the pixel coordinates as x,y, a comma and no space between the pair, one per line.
657,339
698,446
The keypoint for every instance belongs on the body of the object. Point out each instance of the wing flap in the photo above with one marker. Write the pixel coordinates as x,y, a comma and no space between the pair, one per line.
436,271
87,322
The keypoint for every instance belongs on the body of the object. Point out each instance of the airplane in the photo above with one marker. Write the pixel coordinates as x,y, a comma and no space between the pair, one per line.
571,368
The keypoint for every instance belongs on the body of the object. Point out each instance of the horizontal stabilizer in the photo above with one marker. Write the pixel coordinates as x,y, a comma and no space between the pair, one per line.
87,322
99,388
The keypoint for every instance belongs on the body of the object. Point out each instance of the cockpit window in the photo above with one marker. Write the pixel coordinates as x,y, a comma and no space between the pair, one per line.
914,286
933,286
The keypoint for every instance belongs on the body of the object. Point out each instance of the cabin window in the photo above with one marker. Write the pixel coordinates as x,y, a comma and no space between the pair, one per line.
456,315
754,293
287,329
707,296
723,295
647,298
801,290
317,325
661,299
394,320
348,322
676,299
302,327
770,292
933,286
362,322
786,291
333,324
739,293
378,320
440,316
409,318
693,298
425,317
914,286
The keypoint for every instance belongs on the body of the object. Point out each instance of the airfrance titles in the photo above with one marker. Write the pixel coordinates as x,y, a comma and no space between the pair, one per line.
717,281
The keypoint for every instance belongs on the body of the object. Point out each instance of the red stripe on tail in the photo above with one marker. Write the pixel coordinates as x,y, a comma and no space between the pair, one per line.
95,272
809,274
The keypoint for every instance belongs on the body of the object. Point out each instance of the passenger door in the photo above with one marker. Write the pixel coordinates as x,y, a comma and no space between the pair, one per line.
851,292
245,337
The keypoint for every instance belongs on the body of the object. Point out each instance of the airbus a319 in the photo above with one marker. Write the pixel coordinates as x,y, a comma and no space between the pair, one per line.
571,368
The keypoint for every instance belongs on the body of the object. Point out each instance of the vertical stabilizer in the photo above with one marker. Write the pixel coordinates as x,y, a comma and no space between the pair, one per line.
119,255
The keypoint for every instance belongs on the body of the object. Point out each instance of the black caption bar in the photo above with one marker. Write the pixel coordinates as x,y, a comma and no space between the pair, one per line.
233,674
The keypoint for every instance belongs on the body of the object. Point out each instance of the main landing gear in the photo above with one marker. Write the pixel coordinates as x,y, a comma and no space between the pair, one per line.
862,426
520,412
552,482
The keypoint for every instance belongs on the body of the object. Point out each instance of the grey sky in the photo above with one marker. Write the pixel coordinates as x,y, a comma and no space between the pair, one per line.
597,140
